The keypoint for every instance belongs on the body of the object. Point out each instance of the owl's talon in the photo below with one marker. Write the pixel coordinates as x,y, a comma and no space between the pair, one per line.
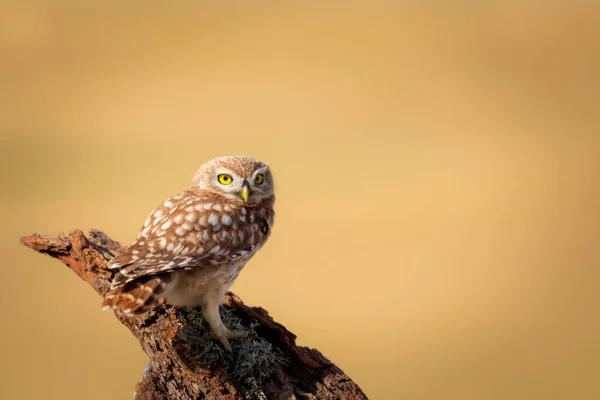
225,343
234,334
227,334
222,338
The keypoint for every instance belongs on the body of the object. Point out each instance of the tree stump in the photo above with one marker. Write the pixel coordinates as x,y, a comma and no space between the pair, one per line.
184,363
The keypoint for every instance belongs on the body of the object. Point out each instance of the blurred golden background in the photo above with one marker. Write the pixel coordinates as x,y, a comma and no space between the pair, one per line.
436,168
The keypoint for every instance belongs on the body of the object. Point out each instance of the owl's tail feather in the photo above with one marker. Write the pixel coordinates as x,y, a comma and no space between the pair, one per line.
136,296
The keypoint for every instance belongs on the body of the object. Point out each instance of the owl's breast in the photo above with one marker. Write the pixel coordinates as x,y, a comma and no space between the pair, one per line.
191,288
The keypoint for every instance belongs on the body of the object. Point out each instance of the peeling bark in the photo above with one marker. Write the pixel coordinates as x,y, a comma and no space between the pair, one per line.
174,373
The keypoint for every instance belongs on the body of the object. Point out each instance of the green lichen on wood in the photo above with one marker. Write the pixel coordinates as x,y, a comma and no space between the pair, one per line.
251,361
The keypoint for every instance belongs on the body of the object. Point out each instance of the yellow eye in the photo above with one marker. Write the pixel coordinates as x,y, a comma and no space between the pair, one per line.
225,179
259,179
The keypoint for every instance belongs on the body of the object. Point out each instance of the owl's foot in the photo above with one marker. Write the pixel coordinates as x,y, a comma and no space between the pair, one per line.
226,334
219,331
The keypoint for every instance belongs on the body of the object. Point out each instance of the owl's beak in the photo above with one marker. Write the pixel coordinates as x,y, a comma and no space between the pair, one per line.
245,193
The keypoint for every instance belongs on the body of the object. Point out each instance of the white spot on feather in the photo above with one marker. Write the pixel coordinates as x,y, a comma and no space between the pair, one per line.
213,219
166,225
203,220
168,265
177,248
191,217
226,220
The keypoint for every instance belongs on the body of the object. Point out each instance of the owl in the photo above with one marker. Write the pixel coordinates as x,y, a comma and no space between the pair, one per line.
193,246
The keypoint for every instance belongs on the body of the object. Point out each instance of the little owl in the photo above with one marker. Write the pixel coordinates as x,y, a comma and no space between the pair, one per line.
193,246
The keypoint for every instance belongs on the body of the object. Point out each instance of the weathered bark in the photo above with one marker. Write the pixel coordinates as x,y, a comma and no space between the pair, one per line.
177,369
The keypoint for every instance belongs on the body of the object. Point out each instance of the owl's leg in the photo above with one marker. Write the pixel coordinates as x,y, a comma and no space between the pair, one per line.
211,314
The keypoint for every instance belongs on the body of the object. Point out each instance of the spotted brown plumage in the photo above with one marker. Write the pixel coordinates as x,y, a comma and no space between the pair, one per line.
194,244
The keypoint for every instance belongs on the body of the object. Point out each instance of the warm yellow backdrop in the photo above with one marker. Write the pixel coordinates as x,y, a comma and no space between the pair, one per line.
437,172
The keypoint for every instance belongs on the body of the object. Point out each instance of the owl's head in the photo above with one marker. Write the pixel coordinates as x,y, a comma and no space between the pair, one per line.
239,178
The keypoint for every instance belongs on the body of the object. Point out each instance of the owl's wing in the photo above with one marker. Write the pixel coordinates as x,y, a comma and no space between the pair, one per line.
167,262
174,238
